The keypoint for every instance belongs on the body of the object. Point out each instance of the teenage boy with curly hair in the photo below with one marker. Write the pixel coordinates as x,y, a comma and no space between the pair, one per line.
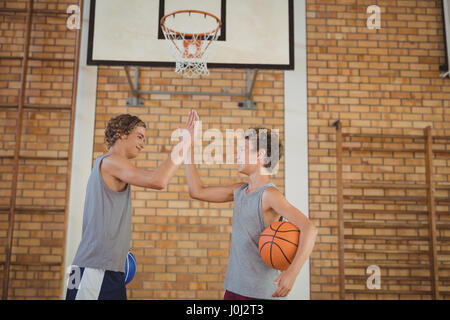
99,264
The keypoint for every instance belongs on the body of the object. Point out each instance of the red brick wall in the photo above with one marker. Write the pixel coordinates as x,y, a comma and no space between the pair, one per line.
375,81
38,243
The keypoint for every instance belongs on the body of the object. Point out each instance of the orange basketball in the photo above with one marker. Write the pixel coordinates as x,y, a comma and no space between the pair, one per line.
278,244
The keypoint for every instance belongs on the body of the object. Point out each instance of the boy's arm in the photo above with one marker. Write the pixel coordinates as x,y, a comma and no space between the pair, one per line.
211,194
307,238
196,188
125,171
155,179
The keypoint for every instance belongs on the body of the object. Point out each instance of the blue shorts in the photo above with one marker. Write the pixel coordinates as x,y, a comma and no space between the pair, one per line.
95,284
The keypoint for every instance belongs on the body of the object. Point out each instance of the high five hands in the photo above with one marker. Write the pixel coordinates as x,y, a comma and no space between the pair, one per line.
182,150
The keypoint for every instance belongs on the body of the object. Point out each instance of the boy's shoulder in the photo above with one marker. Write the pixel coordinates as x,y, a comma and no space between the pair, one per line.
114,161
270,197
113,157
272,193
272,190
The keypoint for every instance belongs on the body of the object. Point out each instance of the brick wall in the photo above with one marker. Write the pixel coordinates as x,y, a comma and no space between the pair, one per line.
374,81
38,243
181,245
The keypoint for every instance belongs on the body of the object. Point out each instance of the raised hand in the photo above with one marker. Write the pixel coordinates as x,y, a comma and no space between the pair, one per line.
181,150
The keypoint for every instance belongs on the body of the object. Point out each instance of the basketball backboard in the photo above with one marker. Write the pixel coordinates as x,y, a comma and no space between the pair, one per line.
254,33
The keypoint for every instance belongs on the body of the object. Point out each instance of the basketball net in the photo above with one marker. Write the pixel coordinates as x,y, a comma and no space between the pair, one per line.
190,49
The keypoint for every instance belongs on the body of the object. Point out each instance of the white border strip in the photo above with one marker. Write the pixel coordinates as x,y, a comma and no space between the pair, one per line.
83,144
446,7
296,137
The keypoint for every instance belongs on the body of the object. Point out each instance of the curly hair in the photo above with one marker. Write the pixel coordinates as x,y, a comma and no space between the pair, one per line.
121,125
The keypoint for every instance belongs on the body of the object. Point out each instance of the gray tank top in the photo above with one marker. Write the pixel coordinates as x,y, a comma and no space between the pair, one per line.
105,238
247,274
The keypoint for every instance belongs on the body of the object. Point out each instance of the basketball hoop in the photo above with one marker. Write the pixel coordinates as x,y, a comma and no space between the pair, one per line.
190,48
